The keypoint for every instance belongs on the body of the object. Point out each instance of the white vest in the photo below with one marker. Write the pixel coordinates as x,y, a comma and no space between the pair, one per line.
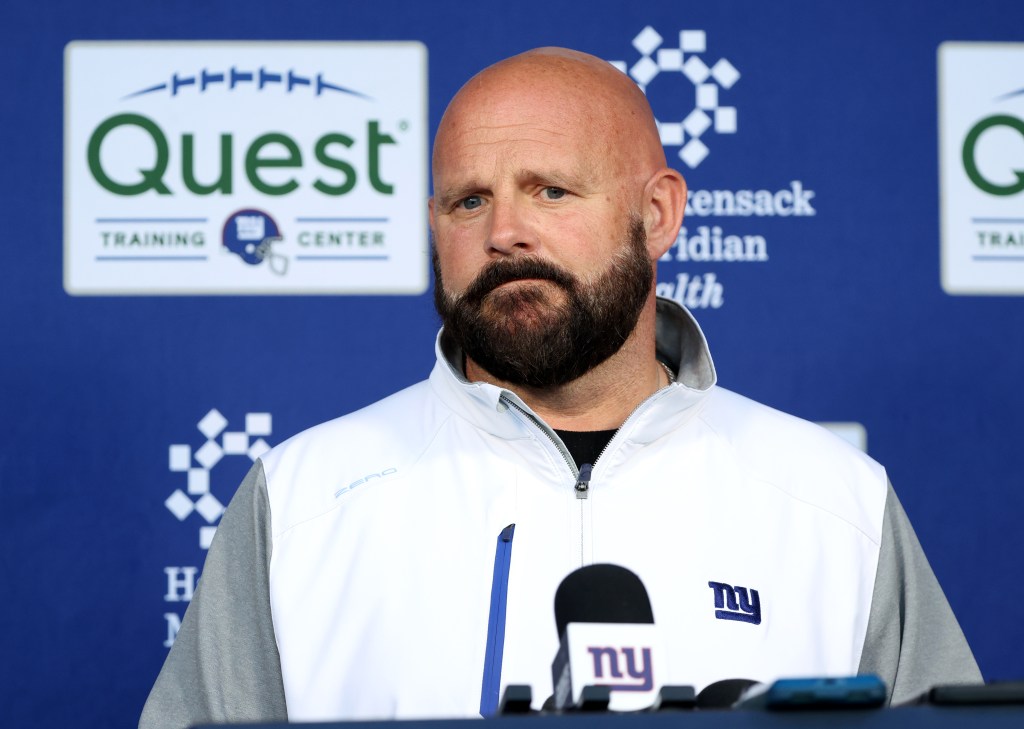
386,525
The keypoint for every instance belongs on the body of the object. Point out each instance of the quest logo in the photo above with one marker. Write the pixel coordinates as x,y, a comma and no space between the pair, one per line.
981,167
195,168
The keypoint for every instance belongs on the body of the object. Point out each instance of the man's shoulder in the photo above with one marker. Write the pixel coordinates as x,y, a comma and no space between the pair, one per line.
387,416
306,473
802,459
743,417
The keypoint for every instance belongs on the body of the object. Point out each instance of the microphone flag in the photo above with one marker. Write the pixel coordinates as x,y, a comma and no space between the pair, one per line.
627,658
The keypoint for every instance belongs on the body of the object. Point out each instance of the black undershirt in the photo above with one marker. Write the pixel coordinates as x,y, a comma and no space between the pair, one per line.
585,446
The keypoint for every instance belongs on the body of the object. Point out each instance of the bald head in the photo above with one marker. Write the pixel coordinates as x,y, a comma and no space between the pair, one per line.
586,97
552,153
551,205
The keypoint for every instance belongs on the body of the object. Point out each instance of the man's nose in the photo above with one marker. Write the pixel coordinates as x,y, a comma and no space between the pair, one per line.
512,229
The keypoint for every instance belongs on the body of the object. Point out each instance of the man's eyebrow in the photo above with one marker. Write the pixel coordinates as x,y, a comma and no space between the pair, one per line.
576,180
449,195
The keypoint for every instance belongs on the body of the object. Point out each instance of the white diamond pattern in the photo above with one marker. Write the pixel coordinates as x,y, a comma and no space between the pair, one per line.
693,152
725,74
209,508
258,423
198,481
696,70
647,40
179,504
708,83
671,134
670,59
707,97
696,123
206,536
179,457
209,455
725,120
212,424
644,70
235,444
258,448
693,41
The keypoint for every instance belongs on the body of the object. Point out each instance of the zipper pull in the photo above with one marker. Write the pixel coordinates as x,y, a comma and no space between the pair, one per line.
583,481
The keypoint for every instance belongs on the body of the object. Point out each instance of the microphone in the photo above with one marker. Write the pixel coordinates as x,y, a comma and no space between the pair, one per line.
723,694
601,593
607,640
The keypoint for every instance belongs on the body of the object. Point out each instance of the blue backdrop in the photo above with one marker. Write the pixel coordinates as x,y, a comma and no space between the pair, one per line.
845,321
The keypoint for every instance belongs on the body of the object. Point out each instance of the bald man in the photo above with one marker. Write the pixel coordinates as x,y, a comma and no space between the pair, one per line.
401,561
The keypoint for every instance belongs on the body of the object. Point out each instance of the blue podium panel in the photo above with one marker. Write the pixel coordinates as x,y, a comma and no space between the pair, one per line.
916,717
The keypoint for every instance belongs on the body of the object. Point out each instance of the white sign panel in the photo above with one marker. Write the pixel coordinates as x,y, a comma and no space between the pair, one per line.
981,154
196,168
627,658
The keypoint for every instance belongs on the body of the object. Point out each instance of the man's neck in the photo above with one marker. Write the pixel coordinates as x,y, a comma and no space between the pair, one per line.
601,399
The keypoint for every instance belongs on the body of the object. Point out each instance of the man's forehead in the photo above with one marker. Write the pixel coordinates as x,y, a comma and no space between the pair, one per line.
512,140
516,131
501,111
551,99
547,154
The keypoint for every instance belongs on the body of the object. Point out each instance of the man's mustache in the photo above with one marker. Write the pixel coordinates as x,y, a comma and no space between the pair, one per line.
506,270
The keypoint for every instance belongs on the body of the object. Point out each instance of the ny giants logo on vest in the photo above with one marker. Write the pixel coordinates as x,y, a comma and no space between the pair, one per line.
736,603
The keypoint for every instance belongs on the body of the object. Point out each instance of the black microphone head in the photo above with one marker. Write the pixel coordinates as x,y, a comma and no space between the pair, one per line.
723,694
601,593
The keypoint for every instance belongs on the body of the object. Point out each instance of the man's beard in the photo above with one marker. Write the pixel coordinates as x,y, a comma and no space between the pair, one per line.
531,335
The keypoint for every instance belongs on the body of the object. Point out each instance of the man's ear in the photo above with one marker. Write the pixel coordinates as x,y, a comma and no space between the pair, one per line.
430,211
664,205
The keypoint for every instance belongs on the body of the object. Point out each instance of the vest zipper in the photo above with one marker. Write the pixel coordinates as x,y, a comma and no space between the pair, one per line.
546,431
583,480
582,474
491,684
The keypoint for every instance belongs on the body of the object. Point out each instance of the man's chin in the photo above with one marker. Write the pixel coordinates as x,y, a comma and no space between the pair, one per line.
525,322
520,317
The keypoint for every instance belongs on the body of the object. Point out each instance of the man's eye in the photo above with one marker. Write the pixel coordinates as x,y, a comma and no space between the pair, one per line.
554,193
470,203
